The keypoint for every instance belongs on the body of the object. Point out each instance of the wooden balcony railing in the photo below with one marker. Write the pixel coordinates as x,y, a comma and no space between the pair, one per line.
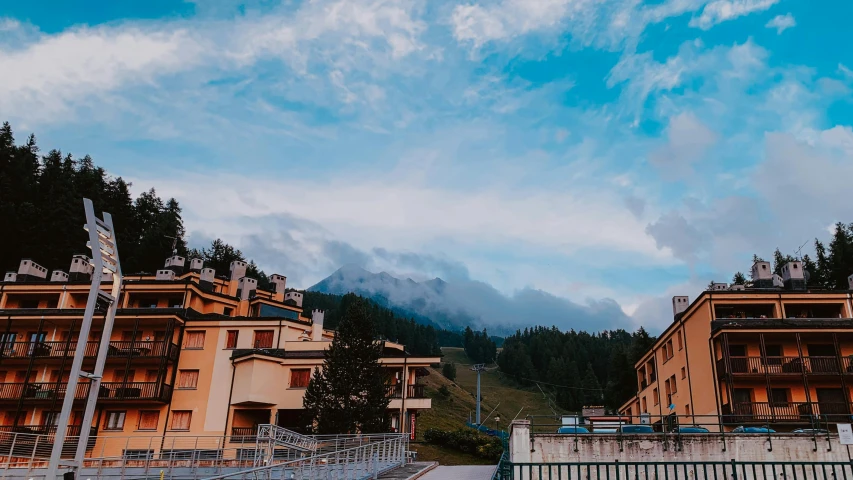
109,391
788,412
415,391
241,434
394,391
59,349
73,430
786,366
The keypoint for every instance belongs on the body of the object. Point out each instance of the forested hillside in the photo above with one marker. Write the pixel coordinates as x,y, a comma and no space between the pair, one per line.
579,367
418,339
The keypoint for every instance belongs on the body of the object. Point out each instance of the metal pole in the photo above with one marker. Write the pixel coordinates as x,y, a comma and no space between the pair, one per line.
478,397
102,241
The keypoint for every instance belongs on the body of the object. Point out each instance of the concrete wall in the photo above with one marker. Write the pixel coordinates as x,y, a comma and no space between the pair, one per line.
553,448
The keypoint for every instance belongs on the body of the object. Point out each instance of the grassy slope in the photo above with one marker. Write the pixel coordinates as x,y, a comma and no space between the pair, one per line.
452,412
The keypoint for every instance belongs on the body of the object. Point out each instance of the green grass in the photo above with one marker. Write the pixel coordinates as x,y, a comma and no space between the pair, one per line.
498,391
446,456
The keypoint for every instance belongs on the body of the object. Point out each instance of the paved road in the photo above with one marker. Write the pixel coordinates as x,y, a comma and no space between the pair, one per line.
465,472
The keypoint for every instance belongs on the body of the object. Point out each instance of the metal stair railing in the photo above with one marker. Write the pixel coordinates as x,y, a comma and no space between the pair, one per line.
286,438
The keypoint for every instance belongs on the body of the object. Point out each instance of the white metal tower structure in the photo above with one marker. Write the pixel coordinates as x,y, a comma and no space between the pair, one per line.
102,242
480,367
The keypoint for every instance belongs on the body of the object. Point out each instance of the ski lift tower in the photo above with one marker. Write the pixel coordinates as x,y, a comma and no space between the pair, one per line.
102,242
480,367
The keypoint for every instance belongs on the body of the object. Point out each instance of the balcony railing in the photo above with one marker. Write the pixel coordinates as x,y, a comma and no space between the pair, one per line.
767,412
72,431
786,366
415,391
59,349
109,391
243,434
394,391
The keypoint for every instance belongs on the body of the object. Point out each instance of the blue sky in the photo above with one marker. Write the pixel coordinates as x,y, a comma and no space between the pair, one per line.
593,149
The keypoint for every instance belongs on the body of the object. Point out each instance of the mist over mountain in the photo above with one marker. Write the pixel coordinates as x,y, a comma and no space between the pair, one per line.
454,305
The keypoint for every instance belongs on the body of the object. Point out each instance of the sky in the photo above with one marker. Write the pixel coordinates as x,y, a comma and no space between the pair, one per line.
612,151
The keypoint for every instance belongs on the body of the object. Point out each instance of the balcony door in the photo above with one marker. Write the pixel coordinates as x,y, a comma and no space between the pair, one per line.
742,401
822,358
737,357
831,401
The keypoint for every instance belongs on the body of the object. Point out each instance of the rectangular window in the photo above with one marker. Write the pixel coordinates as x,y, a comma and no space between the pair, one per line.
188,379
672,384
680,341
683,373
263,338
227,311
299,377
115,421
656,398
194,341
231,339
779,396
645,406
669,350
148,419
181,419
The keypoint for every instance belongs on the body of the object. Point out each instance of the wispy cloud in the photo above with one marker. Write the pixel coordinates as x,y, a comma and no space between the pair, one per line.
720,11
782,23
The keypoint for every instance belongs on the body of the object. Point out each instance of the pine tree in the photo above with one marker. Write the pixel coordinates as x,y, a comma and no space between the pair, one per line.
592,394
821,275
449,371
739,279
347,395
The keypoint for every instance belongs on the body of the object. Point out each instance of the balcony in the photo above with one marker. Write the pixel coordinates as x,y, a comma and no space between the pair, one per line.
60,349
110,391
415,391
787,412
243,434
782,366
72,431
394,391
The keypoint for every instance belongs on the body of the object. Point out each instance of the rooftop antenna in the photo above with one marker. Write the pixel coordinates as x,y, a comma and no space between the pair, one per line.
800,251
174,243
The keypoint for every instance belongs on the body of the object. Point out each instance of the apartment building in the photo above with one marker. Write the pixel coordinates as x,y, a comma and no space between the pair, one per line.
191,353
775,353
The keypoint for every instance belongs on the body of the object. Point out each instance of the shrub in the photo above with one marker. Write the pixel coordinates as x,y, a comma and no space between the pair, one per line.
449,371
444,391
466,440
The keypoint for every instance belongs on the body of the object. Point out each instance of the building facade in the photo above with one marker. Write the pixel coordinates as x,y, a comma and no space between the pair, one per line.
191,353
774,353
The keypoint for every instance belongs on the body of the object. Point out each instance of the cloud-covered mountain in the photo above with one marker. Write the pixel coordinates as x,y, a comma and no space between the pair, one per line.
457,304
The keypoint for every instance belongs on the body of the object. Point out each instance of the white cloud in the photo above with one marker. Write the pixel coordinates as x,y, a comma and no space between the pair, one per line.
688,142
508,18
845,71
782,23
720,11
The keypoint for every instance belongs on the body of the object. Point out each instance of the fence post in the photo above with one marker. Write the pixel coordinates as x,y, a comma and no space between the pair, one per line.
11,450
33,455
734,469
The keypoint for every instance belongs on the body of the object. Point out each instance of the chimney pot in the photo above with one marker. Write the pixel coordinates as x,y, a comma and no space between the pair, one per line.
165,275
58,276
317,317
196,264
295,296
30,270
10,277
680,304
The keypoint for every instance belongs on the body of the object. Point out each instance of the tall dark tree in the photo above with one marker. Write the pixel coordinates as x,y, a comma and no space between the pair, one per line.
347,395
739,279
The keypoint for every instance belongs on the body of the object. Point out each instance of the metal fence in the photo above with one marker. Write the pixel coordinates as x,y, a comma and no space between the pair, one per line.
732,470
21,453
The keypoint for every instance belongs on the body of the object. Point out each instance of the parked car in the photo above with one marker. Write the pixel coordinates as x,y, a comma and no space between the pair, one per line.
743,429
690,429
636,429
573,430
811,431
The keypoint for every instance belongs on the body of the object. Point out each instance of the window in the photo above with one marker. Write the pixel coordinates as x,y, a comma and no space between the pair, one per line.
645,406
773,354
146,303
151,376
263,338
231,339
680,341
148,419
299,377
194,341
683,373
779,396
115,421
227,311
669,349
181,419
656,398
672,384
188,379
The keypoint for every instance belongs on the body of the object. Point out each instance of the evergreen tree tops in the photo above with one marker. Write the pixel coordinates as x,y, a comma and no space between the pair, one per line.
347,395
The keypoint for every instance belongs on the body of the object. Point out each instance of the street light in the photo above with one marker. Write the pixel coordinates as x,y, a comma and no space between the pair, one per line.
102,242
497,421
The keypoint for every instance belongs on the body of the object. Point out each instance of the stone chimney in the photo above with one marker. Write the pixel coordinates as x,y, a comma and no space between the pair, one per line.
279,281
10,277
165,275
762,275
196,264
81,269
206,279
679,304
176,264
58,276
246,288
793,276
317,325
238,271
31,271
295,296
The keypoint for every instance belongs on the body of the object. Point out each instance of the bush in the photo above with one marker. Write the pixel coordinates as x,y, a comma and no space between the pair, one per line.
449,371
444,391
466,440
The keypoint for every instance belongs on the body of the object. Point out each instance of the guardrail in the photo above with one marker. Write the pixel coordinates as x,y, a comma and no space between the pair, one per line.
732,470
